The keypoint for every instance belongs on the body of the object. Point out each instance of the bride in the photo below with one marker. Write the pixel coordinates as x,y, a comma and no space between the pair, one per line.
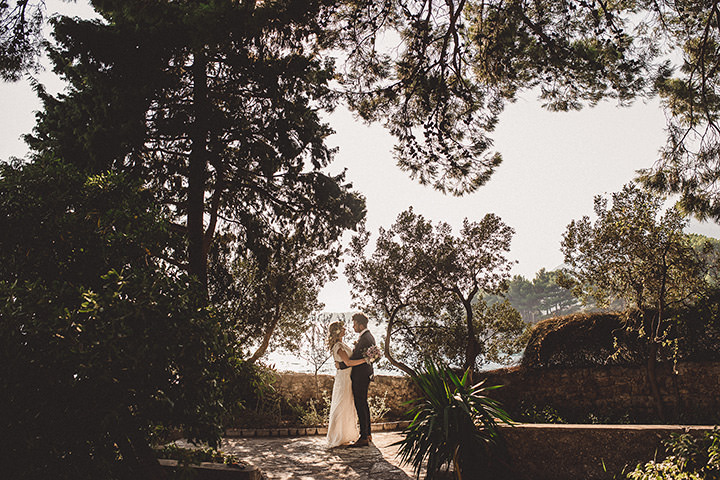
343,426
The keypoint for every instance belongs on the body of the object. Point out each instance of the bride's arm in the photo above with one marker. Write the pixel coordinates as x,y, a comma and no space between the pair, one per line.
346,359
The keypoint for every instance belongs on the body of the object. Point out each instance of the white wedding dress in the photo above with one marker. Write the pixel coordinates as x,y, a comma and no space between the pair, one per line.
343,427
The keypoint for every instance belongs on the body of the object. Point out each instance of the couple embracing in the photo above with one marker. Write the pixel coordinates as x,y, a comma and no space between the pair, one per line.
349,405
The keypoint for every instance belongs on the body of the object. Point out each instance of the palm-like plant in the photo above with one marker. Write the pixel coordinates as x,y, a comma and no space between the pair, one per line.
453,422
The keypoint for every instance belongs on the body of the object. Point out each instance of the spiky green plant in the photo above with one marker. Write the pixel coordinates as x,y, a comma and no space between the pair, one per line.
453,422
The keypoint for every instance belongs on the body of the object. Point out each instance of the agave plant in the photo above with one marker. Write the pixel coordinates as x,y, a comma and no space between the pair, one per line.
453,423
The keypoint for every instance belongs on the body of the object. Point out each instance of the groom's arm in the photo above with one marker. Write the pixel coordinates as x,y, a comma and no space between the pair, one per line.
363,343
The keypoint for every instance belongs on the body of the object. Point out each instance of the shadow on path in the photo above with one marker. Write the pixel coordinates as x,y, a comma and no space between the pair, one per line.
308,458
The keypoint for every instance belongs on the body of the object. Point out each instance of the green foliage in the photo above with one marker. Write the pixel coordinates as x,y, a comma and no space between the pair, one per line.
499,328
21,23
441,75
195,456
378,407
639,254
226,136
272,292
422,279
534,414
634,252
255,401
582,339
101,344
665,470
540,298
317,412
690,456
454,422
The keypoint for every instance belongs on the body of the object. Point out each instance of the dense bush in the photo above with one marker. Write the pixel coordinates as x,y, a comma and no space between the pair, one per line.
101,345
690,457
259,404
580,339
600,338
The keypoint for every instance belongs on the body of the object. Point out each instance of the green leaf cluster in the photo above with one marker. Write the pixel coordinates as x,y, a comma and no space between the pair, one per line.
453,423
101,344
425,282
690,456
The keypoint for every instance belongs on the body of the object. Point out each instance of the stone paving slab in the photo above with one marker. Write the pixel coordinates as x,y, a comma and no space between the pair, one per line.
308,458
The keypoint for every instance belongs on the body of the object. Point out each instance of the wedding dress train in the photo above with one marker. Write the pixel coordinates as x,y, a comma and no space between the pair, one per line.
343,427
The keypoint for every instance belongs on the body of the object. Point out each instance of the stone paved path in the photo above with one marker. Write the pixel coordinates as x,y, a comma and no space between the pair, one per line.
307,458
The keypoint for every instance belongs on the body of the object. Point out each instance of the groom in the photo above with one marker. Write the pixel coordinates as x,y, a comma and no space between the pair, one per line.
361,375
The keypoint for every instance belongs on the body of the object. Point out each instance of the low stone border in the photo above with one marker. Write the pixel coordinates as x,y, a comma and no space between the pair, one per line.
217,471
304,431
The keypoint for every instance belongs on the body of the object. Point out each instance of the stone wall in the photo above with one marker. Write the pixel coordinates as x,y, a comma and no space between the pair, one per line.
609,393
691,396
301,387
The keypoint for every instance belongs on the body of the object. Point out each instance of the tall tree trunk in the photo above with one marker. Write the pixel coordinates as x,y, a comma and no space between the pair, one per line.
197,256
388,333
472,348
268,335
652,380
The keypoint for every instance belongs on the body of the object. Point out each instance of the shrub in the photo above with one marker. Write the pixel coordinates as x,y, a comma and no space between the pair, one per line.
195,456
690,457
317,411
600,338
534,414
581,339
453,423
378,407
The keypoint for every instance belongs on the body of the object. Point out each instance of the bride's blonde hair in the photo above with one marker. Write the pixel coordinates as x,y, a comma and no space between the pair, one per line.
335,333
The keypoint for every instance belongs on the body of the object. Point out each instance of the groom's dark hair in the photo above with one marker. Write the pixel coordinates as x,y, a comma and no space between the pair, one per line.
361,319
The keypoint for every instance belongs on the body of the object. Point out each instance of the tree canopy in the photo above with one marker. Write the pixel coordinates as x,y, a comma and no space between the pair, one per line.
540,297
439,74
638,253
421,278
102,345
21,23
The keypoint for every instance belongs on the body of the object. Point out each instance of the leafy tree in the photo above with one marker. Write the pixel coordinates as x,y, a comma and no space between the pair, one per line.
439,74
635,252
21,23
418,269
539,298
499,328
100,343
576,53
553,299
226,134
709,251
521,295
385,284
270,293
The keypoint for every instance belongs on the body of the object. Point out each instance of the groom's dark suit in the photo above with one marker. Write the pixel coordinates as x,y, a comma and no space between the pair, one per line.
361,375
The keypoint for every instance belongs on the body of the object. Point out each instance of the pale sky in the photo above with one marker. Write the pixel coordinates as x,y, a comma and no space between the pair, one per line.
554,164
